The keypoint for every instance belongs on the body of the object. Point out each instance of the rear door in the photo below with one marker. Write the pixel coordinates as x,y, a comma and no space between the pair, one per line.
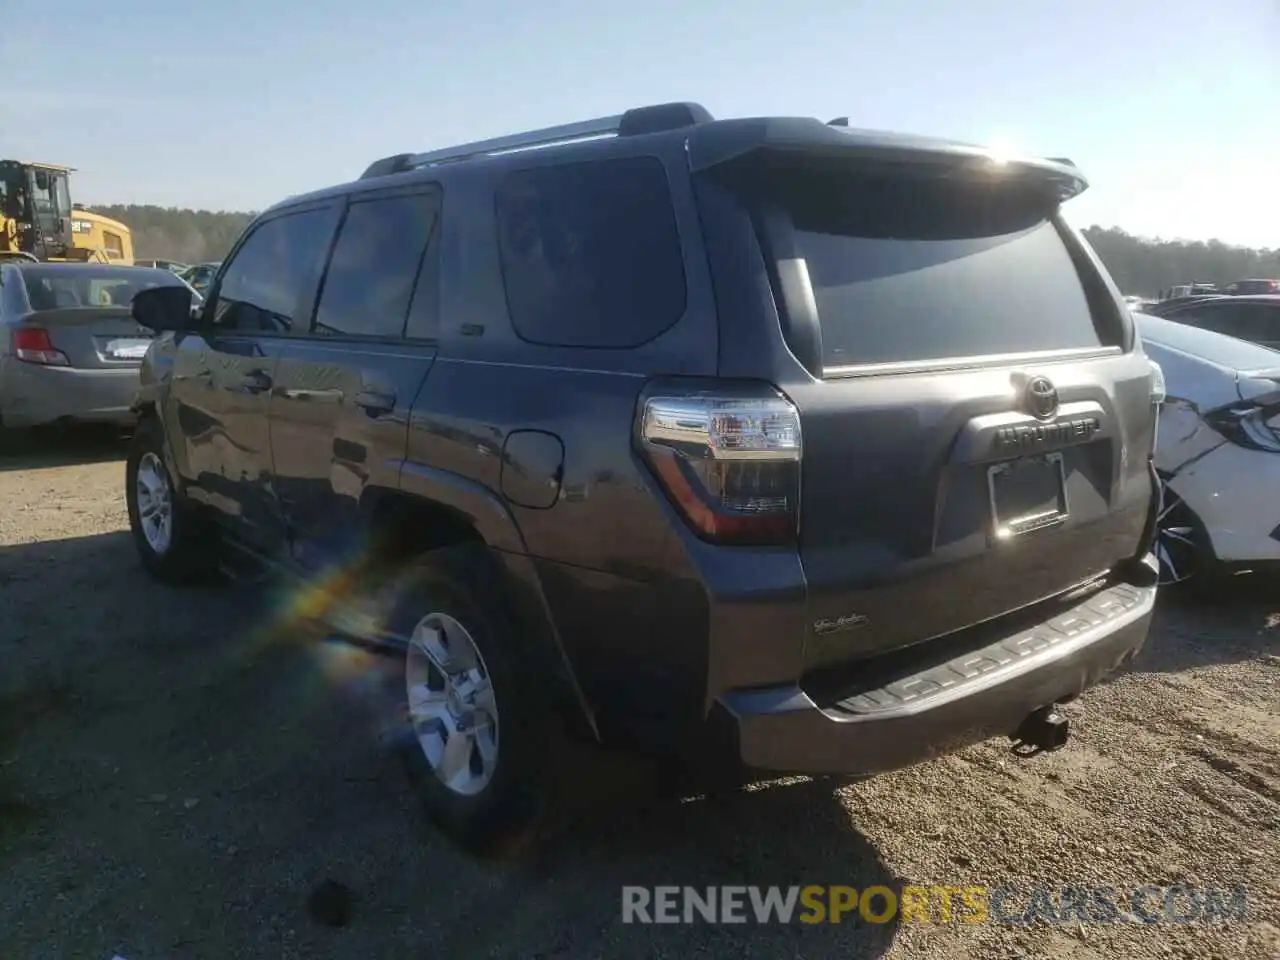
976,426
344,387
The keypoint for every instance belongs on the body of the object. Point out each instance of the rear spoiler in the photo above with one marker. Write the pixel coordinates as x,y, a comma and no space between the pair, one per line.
713,144
73,316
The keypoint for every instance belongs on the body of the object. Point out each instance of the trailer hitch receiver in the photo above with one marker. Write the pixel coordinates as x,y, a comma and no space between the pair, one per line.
1043,730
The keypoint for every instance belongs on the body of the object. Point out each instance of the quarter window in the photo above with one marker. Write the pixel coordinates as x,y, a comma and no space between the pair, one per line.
590,253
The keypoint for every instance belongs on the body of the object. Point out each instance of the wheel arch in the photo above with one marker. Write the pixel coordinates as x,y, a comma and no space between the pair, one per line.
434,509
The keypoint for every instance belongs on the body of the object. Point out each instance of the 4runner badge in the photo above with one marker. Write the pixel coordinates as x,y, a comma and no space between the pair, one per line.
1030,436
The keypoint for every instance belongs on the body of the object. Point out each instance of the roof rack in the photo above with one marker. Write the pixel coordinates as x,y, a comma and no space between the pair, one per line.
639,120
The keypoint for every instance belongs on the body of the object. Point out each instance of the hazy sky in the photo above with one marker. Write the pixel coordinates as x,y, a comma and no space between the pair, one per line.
1171,107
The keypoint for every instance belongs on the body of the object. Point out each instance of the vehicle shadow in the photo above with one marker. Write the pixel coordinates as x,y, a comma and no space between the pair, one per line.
635,829
1232,620
60,447
164,688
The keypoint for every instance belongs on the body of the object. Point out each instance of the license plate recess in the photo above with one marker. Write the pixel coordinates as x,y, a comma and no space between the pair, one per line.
1027,494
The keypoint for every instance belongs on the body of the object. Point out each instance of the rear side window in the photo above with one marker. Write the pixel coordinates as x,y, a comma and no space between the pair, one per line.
909,270
267,276
590,253
1246,321
375,265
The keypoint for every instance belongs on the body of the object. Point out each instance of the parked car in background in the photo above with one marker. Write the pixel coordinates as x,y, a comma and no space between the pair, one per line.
172,265
540,384
1199,289
1251,287
1218,455
200,275
1163,307
69,346
1253,318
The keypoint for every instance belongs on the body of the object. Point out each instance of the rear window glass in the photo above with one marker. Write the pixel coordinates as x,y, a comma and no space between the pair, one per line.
907,270
590,253
51,288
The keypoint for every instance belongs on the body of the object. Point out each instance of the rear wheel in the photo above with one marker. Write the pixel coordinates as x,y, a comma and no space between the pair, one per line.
174,544
479,743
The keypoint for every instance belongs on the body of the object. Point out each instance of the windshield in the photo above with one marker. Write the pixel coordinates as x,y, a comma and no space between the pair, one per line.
41,197
56,287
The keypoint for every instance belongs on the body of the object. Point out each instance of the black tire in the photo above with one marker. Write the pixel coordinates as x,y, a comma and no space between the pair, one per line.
506,817
193,550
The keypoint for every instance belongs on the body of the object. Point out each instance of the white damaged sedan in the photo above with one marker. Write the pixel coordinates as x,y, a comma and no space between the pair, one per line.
1218,449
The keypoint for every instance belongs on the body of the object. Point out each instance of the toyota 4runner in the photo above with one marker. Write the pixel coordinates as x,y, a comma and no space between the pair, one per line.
816,449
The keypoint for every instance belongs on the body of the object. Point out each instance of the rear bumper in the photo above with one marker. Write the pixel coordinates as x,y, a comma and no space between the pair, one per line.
977,695
32,395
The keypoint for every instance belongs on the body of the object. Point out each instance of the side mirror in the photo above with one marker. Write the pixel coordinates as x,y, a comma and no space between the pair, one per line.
164,308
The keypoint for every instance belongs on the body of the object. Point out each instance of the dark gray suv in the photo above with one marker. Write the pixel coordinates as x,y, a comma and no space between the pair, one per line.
760,440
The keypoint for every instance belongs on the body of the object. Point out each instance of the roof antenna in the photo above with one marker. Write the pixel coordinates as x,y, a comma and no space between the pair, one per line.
838,122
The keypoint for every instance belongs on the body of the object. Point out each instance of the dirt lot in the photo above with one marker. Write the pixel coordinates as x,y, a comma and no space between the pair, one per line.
177,772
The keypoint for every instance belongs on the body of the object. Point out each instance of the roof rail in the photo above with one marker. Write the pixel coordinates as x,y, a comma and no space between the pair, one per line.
652,119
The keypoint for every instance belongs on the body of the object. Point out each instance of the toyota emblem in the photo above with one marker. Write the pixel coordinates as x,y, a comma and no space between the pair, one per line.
1042,398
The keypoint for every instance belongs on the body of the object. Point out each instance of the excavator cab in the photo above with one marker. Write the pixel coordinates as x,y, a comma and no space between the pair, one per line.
37,199
38,219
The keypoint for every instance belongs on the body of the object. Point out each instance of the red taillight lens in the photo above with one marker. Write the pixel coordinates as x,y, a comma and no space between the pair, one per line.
731,465
32,345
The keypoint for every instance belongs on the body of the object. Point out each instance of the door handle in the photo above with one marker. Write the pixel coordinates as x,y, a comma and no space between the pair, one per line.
255,382
321,396
202,376
375,403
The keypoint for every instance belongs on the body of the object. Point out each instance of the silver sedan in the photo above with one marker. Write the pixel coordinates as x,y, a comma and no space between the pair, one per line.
69,347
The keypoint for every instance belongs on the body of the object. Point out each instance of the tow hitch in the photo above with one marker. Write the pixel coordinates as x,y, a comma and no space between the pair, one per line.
1044,730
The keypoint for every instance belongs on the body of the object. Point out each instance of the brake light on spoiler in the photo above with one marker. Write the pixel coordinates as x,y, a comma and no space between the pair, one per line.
730,464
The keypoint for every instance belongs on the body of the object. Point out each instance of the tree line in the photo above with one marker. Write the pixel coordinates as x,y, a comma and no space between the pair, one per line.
1139,265
169,233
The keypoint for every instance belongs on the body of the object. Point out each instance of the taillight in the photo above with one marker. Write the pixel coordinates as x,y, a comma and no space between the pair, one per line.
32,345
730,464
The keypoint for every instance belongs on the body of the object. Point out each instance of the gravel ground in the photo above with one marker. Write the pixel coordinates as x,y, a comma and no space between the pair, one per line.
178,772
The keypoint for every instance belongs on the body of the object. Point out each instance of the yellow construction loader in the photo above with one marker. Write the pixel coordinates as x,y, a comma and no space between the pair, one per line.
39,221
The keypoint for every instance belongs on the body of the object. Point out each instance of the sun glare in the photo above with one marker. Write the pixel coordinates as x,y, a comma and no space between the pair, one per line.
1001,149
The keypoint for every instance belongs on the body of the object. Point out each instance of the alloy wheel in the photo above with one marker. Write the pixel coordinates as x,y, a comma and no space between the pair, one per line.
452,706
1177,547
154,497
